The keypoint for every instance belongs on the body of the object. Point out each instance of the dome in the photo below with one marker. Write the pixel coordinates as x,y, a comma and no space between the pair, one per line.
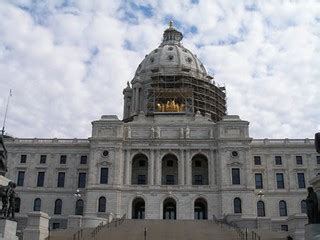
171,58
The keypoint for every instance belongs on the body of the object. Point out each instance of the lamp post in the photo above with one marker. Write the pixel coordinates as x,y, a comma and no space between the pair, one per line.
77,194
260,194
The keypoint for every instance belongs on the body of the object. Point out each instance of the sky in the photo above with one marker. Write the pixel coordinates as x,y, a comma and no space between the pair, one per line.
67,61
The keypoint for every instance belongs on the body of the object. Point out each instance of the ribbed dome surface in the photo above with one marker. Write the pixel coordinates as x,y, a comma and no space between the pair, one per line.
171,59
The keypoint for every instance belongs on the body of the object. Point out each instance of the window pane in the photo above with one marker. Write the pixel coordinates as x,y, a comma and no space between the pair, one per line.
303,206
301,181
260,209
235,176
280,181
37,204
141,179
170,179
61,178
259,183
257,160
197,179
40,181
23,159
299,160
63,159
83,159
58,206
278,160
20,178
318,159
102,204
79,207
43,159
282,208
82,180
237,205
104,176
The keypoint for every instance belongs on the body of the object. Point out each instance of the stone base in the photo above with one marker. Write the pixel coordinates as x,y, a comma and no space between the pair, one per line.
74,221
8,230
91,222
312,232
37,226
4,181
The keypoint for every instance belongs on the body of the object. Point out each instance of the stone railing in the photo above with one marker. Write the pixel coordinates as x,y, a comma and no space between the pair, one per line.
47,140
267,141
102,225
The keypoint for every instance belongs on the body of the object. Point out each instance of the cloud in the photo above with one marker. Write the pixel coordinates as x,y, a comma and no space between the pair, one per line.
68,61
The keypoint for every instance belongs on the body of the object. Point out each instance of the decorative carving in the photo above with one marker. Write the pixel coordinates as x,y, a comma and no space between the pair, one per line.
8,196
128,132
158,132
187,132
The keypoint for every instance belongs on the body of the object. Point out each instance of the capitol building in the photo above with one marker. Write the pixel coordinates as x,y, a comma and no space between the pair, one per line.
176,154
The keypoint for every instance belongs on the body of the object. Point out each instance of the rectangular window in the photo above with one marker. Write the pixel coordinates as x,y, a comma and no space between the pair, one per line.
197,179
82,180
63,159
280,181
20,180
141,179
259,181
43,159
299,160
257,160
236,176
23,159
55,225
61,178
278,160
318,159
40,181
104,176
83,159
170,180
284,228
301,180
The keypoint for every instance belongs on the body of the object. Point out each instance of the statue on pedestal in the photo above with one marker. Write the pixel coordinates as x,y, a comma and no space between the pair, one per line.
8,196
312,207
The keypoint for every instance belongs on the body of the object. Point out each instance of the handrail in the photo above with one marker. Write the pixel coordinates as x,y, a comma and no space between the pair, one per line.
116,223
243,233
78,235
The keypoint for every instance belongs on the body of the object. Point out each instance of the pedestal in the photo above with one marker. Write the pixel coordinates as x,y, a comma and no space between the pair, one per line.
8,230
296,224
74,221
37,226
4,181
312,232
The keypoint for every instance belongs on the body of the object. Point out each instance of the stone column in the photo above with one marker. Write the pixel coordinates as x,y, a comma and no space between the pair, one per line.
127,174
37,226
181,167
188,166
211,170
158,168
151,168
137,100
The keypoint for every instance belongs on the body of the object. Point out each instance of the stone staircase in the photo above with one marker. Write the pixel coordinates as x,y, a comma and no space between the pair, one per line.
158,230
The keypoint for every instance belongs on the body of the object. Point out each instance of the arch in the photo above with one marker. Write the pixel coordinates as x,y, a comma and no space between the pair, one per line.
102,203
58,206
200,170
261,209
37,204
139,169
169,208
237,205
200,209
303,206
283,208
169,169
17,203
79,207
138,208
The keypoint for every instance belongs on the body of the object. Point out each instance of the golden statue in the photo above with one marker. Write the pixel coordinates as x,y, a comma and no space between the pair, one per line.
170,106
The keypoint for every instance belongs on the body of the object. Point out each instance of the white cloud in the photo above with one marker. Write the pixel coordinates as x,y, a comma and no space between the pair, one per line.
68,61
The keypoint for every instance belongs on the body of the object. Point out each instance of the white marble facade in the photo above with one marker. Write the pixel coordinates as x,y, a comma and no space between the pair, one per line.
167,165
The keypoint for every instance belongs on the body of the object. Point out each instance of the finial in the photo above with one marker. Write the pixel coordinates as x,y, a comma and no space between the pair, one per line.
170,24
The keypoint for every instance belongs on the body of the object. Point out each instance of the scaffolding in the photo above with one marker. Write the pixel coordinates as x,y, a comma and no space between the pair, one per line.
188,93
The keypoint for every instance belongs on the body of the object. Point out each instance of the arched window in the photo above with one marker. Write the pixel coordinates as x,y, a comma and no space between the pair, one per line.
303,206
169,170
79,207
139,170
260,209
37,204
17,203
200,170
169,209
283,208
58,207
102,204
237,205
